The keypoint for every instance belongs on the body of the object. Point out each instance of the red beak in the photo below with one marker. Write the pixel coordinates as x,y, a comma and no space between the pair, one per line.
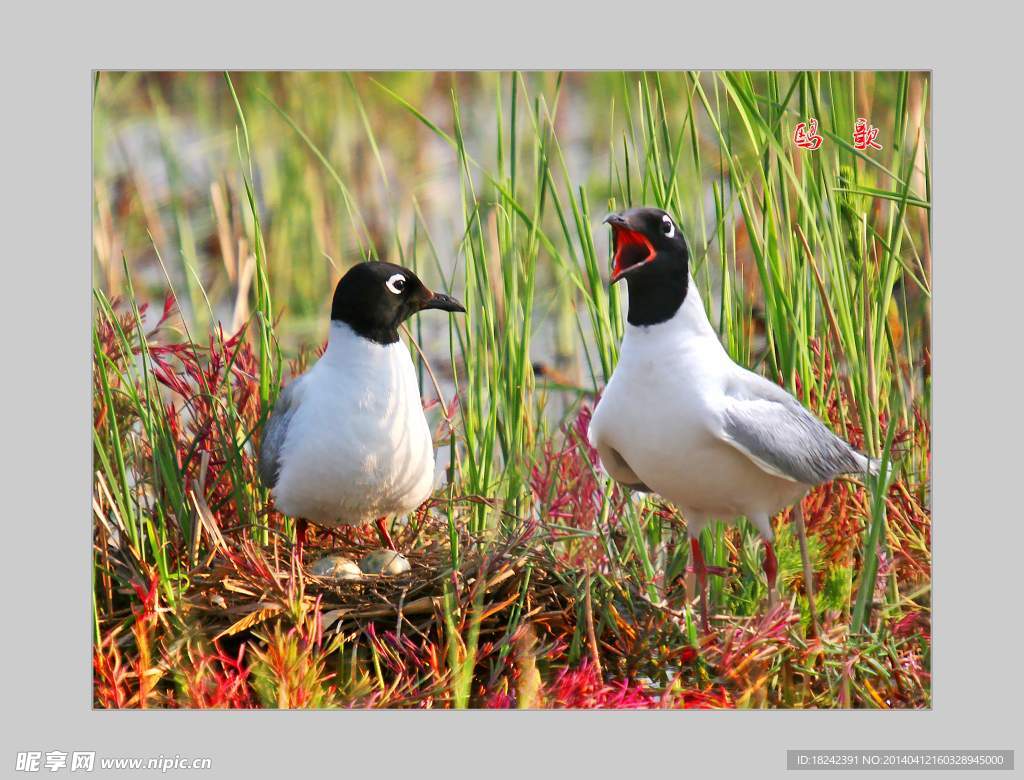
632,248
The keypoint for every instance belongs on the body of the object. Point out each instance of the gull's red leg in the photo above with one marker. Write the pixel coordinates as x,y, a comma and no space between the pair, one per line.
300,536
384,534
300,543
771,570
702,581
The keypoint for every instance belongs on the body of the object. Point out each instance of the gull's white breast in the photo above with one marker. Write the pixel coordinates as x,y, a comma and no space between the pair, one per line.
358,446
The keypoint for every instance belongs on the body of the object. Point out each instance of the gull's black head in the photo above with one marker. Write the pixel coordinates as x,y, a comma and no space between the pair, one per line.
375,298
650,253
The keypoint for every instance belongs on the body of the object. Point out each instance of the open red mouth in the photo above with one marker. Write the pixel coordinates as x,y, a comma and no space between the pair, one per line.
632,250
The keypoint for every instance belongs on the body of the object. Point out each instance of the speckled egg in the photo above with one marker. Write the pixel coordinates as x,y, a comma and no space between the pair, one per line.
385,562
336,567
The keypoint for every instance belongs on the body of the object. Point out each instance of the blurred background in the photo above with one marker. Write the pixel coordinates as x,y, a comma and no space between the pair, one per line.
346,167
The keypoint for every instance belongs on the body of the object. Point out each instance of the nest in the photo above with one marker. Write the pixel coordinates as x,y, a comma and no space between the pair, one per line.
247,585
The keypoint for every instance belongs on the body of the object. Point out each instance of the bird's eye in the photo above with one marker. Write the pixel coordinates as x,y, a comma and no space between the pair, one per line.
396,284
667,226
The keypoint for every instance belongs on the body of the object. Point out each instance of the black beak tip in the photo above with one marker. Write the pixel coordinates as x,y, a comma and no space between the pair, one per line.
444,303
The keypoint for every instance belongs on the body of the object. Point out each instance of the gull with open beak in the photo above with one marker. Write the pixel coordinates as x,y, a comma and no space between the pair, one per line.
679,418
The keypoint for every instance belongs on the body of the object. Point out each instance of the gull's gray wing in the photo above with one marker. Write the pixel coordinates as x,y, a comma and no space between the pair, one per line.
776,432
274,433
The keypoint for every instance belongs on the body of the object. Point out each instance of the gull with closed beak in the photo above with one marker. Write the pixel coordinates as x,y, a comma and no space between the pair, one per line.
348,442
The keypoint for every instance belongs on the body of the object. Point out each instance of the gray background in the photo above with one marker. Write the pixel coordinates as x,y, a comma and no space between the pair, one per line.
45,183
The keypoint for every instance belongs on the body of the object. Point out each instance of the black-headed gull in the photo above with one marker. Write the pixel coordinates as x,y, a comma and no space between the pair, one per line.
347,441
679,418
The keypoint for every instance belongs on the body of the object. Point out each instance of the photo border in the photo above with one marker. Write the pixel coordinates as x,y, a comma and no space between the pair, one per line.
977,276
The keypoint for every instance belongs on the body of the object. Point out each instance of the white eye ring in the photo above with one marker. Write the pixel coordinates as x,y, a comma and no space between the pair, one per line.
396,284
671,226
